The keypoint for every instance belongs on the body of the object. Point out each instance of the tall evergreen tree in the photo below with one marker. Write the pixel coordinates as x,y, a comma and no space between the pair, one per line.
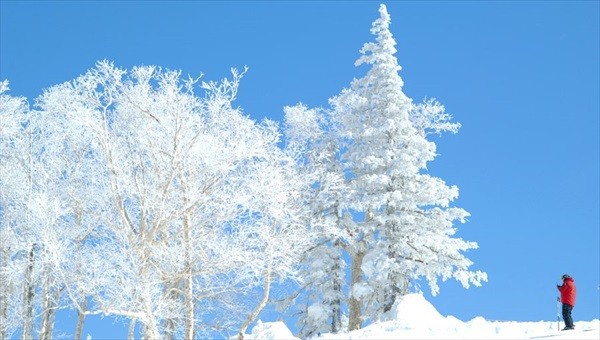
402,224
408,225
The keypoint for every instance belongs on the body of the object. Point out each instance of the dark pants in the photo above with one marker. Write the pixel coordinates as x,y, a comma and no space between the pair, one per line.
566,312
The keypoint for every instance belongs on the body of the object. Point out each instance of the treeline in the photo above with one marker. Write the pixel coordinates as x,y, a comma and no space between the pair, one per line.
151,198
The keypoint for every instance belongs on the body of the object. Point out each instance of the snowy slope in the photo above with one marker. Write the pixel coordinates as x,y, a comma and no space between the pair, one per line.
413,317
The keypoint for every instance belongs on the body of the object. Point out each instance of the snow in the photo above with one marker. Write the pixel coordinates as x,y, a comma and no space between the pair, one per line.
413,317
270,330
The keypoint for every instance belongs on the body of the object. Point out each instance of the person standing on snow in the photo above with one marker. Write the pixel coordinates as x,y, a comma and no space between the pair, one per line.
567,297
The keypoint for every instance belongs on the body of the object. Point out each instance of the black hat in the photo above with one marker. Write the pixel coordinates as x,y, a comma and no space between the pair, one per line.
566,276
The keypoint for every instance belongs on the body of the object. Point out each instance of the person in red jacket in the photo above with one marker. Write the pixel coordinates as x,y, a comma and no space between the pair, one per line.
567,297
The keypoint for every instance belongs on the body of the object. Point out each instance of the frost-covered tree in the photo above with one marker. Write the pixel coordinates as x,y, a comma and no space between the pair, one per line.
312,134
15,260
32,223
407,231
198,204
73,184
402,223
282,238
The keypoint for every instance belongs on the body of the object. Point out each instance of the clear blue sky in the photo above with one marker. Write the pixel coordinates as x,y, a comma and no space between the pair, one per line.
521,77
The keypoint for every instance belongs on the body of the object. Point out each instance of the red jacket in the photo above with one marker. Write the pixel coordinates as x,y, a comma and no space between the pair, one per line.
568,291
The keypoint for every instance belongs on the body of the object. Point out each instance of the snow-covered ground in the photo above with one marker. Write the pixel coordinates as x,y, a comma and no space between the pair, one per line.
413,317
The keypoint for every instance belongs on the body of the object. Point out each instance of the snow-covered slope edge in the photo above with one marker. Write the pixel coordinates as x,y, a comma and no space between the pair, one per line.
413,317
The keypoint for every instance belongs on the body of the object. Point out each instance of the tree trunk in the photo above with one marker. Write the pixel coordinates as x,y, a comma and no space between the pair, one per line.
398,287
80,319
263,301
169,324
355,310
52,313
45,331
4,298
131,332
189,329
336,312
83,305
189,284
169,327
50,301
391,294
336,309
151,329
150,326
28,294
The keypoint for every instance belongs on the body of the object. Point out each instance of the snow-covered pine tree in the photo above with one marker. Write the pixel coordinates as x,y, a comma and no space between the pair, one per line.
312,136
407,230
393,220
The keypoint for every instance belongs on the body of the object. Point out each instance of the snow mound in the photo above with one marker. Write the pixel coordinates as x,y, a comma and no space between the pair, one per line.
414,309
270,330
